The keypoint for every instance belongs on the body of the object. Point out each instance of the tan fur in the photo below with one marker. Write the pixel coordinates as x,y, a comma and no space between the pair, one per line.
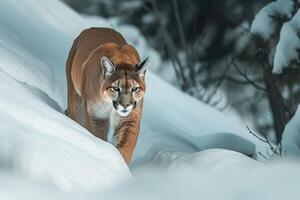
88,92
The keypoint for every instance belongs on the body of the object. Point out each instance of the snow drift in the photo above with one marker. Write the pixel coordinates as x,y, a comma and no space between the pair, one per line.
212,174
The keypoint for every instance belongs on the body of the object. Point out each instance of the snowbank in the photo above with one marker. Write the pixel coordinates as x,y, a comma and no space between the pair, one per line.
41,142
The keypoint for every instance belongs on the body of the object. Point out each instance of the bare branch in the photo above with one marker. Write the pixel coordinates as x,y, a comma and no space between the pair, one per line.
263,155
261,139
170,46
238,81
219,83
275,149
244,74
183,41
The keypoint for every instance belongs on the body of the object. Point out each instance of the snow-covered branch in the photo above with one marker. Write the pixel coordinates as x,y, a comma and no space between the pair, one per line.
287,50
266,23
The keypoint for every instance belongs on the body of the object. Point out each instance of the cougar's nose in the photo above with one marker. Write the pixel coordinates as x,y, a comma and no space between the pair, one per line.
125,105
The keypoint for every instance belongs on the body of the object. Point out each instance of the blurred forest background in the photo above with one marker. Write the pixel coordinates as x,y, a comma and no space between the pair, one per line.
210,53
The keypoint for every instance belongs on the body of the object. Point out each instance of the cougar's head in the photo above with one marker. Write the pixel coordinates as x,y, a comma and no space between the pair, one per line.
124,87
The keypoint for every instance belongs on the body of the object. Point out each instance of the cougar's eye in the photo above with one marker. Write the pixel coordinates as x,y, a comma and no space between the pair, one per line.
135,89
115,89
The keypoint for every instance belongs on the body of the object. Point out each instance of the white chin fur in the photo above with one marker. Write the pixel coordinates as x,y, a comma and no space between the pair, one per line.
123,114
121,111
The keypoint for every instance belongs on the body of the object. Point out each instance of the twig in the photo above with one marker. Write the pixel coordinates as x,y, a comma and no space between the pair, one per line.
275,149
263,155
238,81
218,84
244,74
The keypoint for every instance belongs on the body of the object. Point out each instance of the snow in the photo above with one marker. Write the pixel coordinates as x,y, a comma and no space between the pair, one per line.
47,145
287,50
212,174
264,25
233,180
49,156
291,136
216,160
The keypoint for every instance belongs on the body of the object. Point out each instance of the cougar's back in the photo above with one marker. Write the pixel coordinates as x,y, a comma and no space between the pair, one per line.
97,41
91,38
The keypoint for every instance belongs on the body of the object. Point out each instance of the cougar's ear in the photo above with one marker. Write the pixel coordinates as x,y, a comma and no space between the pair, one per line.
108,66
141,68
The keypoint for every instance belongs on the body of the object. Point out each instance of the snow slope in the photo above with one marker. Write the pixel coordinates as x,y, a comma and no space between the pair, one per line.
42,144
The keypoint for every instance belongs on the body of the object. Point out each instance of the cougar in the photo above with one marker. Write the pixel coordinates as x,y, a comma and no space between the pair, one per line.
106,86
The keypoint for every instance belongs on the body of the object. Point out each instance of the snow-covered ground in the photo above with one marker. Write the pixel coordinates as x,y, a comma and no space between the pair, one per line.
45,155
212,174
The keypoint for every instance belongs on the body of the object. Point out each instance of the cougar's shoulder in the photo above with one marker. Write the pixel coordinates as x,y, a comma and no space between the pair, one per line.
86,43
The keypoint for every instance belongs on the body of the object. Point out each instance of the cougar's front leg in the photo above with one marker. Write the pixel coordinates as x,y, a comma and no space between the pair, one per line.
98,127
126,133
